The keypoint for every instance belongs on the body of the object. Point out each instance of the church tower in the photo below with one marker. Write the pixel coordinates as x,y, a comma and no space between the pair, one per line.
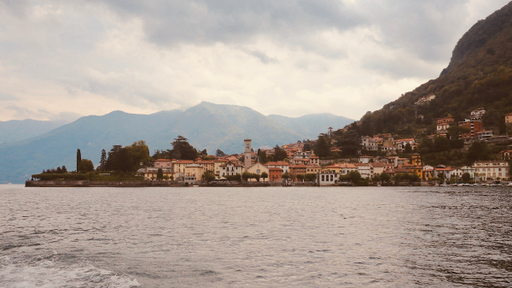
247,153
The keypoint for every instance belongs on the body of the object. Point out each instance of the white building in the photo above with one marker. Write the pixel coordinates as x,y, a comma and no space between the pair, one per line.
326,178
230,168
366,170
491,170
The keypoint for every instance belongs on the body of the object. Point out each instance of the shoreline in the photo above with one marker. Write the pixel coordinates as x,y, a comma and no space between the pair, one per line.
121,184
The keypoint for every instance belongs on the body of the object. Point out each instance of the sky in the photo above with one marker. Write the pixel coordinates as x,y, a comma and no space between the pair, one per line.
61,59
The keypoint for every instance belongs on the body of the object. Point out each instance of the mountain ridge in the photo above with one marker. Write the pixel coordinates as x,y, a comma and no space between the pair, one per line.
206,125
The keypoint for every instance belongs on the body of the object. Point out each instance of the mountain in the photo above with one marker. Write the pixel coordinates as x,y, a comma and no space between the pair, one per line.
207,126
16,130
313,124
478,75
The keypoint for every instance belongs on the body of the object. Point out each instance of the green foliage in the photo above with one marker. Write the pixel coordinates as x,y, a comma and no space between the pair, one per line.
300,177
208,176
78,158
220,153
182,150
310,177
262,157
160,174
323,147
384,177
466,177
233,177
85,166
264,175
285,176
348,141
479,151
279,154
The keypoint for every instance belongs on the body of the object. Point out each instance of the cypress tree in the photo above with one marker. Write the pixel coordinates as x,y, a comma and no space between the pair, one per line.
78,158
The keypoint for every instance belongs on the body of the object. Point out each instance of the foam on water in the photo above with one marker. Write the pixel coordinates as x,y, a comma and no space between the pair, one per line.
44,272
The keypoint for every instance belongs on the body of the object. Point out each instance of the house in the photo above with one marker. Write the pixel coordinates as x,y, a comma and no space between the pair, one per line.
193,173
470,170
275,174
366,170
402,161
475,126
296,170
208,165
365,159
179,168
379,167
312,168
416,159
313,159
508,119
506,154
491,170
327,178
230,168
150,173
443,171
285,166
477,114
369,143
216,165
163,163
457,173
428,172
486,134
400,144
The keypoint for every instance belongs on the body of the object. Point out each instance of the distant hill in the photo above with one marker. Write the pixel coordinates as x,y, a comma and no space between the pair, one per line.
16,130
207,126
478,75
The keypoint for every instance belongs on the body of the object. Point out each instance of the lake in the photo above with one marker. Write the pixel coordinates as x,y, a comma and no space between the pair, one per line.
256,237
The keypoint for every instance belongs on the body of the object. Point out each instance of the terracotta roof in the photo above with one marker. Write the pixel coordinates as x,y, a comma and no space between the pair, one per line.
163,160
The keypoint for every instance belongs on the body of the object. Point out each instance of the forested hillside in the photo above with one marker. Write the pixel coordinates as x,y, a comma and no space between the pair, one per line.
479,75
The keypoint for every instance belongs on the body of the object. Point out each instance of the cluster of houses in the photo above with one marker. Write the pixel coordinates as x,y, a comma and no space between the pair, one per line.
300,162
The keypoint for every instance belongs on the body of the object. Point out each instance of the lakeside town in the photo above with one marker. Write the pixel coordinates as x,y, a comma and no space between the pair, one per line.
379,159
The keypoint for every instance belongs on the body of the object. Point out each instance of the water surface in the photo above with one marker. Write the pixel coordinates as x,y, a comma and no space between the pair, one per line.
255,237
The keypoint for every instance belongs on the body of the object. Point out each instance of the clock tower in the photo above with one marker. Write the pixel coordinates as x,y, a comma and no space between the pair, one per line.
247,154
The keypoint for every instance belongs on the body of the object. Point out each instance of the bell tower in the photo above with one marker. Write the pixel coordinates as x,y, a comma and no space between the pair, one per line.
247,154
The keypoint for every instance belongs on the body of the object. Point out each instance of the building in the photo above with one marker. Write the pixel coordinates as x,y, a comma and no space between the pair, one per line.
416,159
247,154
365,159
366,170
285,166
484,135
475,126
327,178
163,163
491,170
179,168
275,174
259,169
230,168
506,154
477,114
508,119
369,143
193,174
296,170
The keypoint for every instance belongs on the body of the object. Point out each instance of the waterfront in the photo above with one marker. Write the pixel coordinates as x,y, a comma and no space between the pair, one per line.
256,237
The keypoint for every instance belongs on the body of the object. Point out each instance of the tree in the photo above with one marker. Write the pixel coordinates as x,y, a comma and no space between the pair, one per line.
322,147
349,141
182,150
119,159
310,177
279,154
103,159
479,151
256,176
355,177
138,154
85,166
246,176
408,148
441,144
78,158
160,174
208,176
220,153
264,175
285,176
300,177
385,177
466,177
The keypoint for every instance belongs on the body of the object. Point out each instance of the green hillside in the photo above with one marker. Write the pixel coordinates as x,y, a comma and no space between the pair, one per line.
478,75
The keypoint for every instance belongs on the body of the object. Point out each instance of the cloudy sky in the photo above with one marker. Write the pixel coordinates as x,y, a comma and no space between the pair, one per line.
60,59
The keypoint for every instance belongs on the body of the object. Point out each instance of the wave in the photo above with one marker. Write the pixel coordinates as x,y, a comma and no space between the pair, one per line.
46,271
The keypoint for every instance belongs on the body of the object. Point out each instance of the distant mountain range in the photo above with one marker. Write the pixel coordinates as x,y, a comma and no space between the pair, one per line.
16,130
207,126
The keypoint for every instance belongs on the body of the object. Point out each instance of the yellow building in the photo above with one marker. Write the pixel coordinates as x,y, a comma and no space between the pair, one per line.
193,173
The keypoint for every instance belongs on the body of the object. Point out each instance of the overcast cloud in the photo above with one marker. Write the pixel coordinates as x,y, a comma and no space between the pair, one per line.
61,58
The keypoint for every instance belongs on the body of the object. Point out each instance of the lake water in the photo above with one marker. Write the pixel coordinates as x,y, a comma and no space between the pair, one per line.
256,237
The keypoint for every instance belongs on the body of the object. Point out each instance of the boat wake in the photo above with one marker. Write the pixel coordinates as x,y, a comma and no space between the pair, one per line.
46,271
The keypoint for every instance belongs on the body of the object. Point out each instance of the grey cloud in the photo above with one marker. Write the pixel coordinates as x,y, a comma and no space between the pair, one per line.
15,7
210,21
264,58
